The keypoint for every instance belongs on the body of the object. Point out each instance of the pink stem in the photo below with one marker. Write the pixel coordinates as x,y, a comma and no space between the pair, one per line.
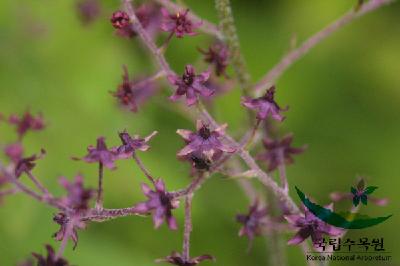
38,183
99,201
188,228
294,55
143,168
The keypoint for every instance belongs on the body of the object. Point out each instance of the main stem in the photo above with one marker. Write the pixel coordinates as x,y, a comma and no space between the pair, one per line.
188,227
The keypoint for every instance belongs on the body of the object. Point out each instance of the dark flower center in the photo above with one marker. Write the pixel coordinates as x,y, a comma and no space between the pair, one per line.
204,132
188,79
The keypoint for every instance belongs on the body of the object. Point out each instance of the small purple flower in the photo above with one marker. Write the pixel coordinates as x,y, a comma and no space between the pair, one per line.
252,221
51,259
26,122
130,93
265,106
14,152
25,165
204,142
100,154
161,203
310,225
130,145
279,152
120,19
177,259
77,197
88,10
179,23
62,219
361,193
190,85
218,55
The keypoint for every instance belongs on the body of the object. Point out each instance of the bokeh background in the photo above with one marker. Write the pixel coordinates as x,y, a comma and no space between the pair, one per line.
344,99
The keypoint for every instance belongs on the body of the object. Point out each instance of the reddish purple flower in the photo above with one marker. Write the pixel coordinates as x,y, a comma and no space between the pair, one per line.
100,154
190,85
252,221
25,165
204,142
359,194
218,55
62,219
279,152
130,145
88,10
161,203
120,19
51,259
14,152
77,197
265,106
178,23
177,259
26,122
310,225
130,93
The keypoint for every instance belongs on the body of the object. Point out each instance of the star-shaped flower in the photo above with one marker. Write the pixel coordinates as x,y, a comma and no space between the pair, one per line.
310,226
204,142
191,85
27,164
62,219
279,152
218,55
131,93
77,197
26,122
265,106
252,221
51,258
177,259
100,154
130,145
178,23
161,203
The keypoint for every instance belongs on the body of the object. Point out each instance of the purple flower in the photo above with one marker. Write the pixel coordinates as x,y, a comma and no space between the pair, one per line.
190,85
265,106
279,152
62,219
252,221
25,165
204,142
100,154
26,122
218,55
310,225
161,203
51,259
130,93
88,10
361,193
177,259
179,23
120,19
77,196
130,145
14,152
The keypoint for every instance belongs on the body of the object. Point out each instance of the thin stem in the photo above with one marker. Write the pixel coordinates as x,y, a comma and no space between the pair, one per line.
107,214
188,228
227,25
6,192
147,40
99,201
192,187
252,134
282,173
142,167
38,184
289,59
206,26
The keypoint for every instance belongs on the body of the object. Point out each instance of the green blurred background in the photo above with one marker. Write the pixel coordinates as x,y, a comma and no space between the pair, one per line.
344,103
